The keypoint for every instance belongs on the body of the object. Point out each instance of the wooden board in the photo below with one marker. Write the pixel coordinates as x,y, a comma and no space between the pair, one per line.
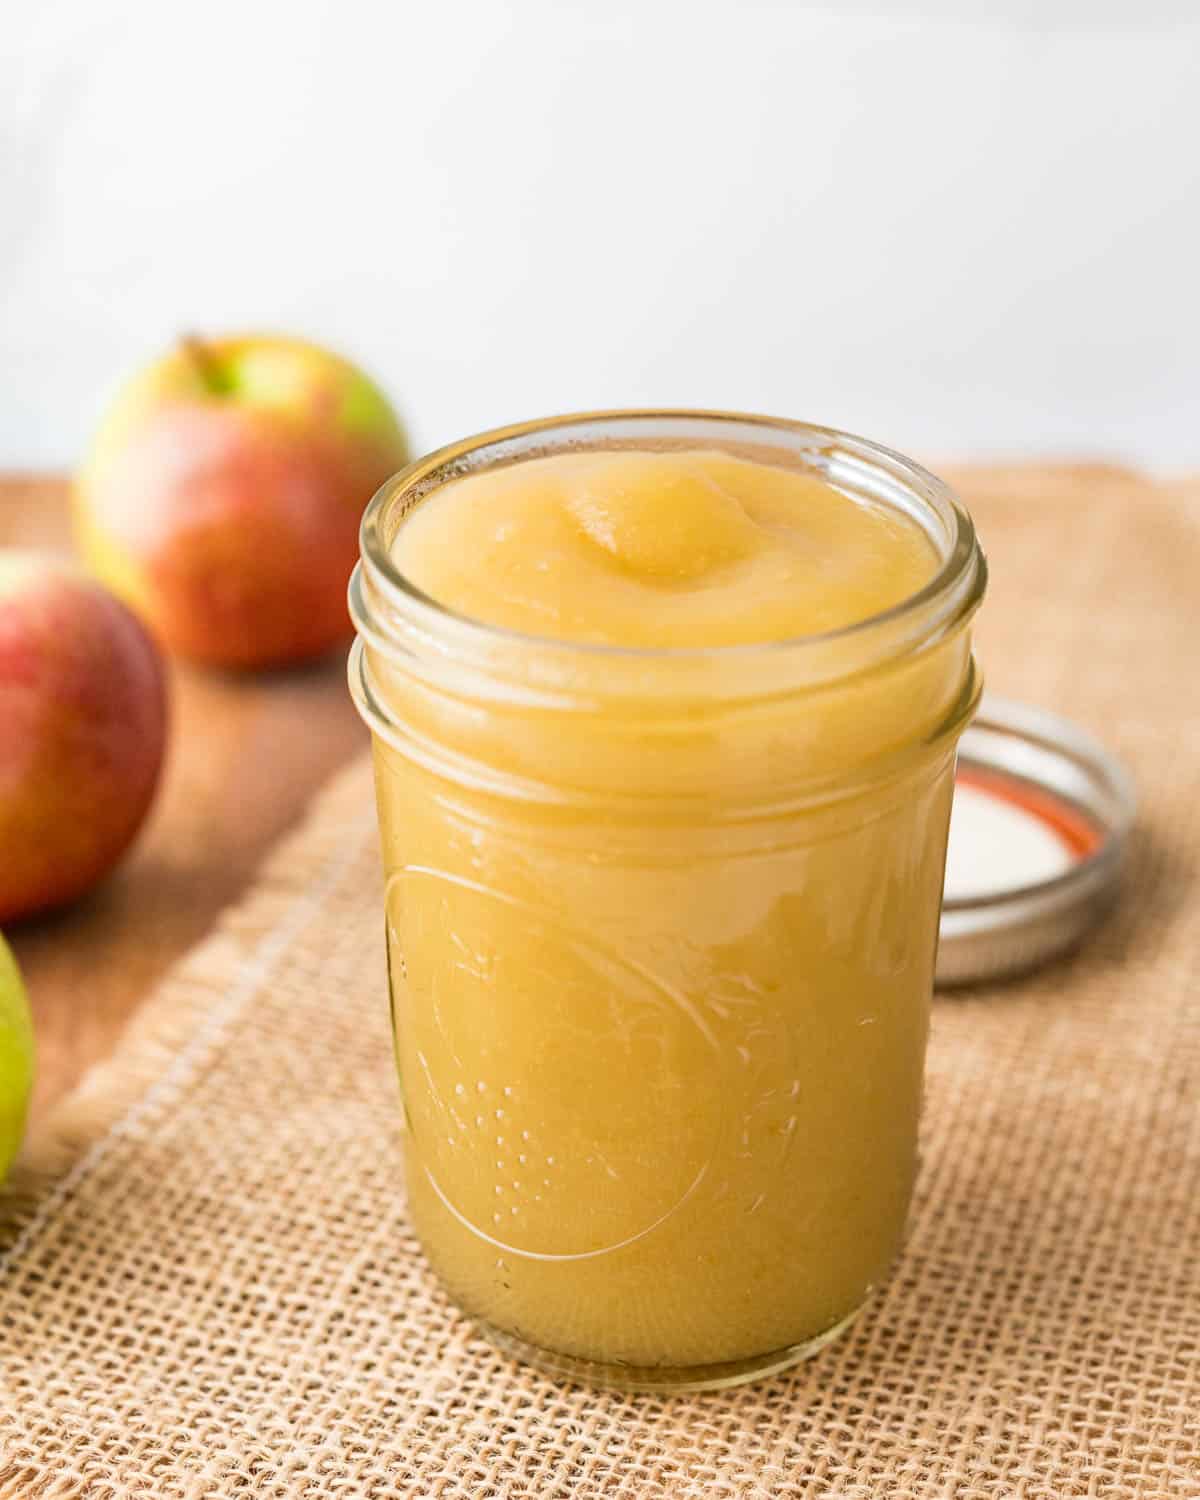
246,753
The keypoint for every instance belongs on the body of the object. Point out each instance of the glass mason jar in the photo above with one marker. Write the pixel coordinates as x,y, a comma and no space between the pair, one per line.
661,928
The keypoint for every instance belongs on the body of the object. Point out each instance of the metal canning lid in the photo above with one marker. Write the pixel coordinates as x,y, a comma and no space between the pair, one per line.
1041,818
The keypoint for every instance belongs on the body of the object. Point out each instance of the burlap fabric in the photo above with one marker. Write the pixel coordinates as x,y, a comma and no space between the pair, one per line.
209,1287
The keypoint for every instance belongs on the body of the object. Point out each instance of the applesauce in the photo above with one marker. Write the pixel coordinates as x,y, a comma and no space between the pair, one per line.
664,710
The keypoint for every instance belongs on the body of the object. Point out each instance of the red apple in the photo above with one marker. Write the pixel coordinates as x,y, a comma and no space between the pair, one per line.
83,718
223,494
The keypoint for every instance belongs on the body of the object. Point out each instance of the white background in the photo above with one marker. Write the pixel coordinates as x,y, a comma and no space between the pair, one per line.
967,228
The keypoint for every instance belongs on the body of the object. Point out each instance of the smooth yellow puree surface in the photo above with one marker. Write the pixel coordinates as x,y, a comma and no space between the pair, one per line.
660,549
660,1004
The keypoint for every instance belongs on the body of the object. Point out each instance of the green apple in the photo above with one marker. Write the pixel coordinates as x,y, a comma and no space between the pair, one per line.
16,1058
223,493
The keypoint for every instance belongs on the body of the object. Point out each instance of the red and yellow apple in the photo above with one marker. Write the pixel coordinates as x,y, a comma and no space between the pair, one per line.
83,717
223,493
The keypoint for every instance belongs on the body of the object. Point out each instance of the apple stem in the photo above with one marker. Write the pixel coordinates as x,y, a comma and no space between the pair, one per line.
205,364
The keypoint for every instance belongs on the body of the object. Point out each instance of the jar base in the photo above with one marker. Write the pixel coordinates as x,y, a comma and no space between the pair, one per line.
663,1378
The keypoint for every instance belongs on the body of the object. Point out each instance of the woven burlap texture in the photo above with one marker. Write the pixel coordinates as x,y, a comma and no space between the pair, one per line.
208,1286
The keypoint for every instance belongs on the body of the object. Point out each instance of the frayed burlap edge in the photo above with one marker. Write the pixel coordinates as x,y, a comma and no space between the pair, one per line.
176,1029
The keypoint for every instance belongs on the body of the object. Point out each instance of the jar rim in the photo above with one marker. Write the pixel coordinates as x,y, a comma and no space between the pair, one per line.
945,601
